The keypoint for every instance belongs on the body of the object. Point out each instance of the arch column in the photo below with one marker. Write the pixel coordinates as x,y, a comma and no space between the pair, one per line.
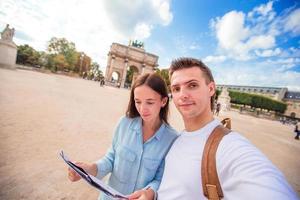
123,79
143,68
108,68
111,67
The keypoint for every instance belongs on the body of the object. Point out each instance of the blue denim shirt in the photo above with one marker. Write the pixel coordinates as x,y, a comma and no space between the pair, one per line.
133,164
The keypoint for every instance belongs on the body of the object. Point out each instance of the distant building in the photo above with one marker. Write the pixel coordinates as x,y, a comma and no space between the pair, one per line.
121,58
292,99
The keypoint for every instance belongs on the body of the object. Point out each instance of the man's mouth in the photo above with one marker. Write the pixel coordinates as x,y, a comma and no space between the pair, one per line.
186,104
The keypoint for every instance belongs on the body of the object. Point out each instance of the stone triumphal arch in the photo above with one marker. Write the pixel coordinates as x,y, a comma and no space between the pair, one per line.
122,58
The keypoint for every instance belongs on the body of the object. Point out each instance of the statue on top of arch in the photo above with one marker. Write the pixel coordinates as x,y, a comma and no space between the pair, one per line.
8,33
136,43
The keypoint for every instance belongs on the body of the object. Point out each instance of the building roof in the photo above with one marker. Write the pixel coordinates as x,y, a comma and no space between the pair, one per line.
292,95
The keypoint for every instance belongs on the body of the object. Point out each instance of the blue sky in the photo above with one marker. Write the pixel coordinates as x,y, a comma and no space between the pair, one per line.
247,42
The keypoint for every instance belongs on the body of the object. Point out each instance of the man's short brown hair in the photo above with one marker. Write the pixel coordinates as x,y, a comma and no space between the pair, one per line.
184,62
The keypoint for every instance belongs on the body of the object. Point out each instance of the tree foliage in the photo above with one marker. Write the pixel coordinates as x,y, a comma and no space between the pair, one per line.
26,55
164,73
257,101
62,47
60,55
95,73
60,62
129,75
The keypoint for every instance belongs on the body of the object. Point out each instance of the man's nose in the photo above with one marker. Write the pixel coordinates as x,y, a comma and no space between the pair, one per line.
183,94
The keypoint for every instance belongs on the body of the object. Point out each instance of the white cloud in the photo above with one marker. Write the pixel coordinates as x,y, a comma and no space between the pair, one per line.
230,29
244,36
284,64
236,39
268,52
92,25
194,46
214,59
292,22
246,40
164,11
263,9
142,31
260,42
255,74
127,17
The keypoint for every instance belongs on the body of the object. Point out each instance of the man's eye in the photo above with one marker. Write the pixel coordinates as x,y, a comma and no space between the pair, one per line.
175,89
149,103
193,85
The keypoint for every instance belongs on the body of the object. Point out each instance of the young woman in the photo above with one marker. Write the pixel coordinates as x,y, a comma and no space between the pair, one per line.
141,141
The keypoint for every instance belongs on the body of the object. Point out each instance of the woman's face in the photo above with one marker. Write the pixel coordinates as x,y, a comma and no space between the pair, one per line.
148,103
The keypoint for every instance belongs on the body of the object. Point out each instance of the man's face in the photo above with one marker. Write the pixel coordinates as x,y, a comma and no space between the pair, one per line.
191,94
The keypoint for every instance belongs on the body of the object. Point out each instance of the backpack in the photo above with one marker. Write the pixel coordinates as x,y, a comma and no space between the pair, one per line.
210,180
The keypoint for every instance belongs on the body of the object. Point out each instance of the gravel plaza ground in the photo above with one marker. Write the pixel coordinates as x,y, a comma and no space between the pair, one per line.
43,113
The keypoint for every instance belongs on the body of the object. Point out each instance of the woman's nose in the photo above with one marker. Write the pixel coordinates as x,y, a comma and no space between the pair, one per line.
144,107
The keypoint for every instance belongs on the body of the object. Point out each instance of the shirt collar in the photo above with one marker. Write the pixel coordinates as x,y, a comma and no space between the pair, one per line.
137,127
206,130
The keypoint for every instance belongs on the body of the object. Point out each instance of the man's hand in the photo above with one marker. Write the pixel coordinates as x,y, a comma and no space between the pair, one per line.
142,195
89,168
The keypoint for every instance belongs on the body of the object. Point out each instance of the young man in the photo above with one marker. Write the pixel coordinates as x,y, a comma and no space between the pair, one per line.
244,172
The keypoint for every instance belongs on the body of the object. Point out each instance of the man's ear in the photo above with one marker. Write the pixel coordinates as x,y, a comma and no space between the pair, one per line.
212,88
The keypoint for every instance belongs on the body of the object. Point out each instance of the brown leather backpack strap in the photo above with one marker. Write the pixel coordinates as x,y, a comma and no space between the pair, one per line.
210,180
226,122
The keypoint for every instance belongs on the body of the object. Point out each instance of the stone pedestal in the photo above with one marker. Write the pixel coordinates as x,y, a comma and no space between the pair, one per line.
8,54
224,100
8,49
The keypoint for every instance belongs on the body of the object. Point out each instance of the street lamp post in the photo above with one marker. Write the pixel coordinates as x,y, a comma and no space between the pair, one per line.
81,60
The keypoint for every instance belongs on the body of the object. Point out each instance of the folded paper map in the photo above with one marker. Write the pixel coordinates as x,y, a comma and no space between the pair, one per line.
100,185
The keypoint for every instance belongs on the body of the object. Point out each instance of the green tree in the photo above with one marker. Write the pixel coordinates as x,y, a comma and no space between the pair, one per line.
60,62
50,62
129,75
42,59
65,48
164,73
95,72
27,55
257,101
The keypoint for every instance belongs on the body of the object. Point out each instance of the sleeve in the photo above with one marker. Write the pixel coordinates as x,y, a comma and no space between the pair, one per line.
245,173
105,164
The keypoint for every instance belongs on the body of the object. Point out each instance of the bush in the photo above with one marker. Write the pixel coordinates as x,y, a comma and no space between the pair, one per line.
257,101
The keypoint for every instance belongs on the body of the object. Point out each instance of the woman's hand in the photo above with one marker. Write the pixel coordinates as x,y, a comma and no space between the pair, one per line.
89,168
142,195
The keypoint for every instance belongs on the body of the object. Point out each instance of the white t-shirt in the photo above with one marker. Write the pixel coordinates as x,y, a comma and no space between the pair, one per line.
244,172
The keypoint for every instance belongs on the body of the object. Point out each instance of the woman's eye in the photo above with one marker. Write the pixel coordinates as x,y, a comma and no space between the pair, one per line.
137,102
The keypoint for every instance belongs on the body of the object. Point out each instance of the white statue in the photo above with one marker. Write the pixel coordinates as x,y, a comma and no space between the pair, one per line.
224,100
8,33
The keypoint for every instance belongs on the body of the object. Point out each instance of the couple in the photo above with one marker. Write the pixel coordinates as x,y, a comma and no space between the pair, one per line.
148,161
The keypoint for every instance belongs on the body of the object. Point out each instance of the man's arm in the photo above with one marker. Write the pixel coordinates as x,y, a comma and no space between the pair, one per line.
246,173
